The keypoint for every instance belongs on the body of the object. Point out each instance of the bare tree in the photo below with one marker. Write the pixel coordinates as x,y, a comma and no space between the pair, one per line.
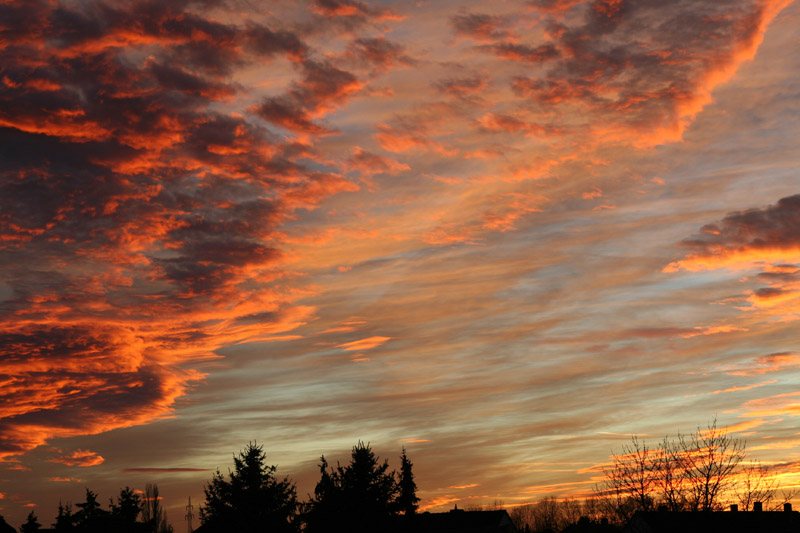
630,482
669,476
571,511
547,515
522,516
592,509
755,484
691,472
637,473
709,458
552,514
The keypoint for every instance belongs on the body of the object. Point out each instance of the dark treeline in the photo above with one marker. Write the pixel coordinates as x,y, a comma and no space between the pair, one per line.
133,512
701,472
705,471
362,496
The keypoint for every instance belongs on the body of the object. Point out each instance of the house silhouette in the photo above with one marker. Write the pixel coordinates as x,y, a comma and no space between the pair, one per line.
457,521
454,521
733,521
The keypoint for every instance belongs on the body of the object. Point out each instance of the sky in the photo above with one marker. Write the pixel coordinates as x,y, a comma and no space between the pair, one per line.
506,236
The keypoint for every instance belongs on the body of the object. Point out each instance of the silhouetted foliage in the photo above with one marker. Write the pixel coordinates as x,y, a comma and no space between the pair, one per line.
128,506
31,524
361,497
687,473
65,520
125,512
550,515
90,517
153,515
5,527
120,518
252,499
407,499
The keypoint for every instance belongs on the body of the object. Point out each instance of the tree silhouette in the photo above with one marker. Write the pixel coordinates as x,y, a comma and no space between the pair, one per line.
5,527
687,473
153,515
65,520
324,507
90,517
125,512
252,499
630,483
360,497
710,459
407,498
128,506
31,525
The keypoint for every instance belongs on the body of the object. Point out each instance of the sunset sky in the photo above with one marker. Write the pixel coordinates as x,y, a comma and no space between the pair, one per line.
505,235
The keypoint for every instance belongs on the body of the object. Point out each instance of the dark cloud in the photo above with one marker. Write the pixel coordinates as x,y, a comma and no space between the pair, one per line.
524,53
643,66
481,26
775,226
134,215
369,164
462,86
267,42
180,80
379,53
291,113
156,470
554,6
322,87
350,9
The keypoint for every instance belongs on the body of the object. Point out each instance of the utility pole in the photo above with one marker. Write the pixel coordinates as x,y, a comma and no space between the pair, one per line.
189,515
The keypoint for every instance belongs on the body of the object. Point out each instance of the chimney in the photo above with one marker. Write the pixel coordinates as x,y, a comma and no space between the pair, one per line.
757,507
787,507
734,507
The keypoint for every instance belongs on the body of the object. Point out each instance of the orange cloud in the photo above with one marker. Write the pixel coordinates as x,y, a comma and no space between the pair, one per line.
711,330
353,9
745,426
369,164
80,458
364,344
767,364
746,387
781,404
151,215
439,501
746,239
148,470
645,95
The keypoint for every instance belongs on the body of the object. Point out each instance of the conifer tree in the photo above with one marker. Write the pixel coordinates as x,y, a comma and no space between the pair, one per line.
360,497
407,498
90,516
31,525
128,506
252,499
65,520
